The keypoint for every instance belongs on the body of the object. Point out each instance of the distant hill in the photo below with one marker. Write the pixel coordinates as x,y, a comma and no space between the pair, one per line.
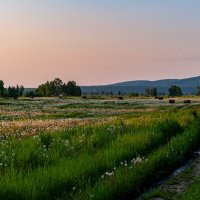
187,85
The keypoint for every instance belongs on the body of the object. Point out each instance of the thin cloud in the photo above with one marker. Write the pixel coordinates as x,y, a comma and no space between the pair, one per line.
185,57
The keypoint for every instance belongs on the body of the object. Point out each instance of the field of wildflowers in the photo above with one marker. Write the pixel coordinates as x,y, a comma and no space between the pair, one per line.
91,149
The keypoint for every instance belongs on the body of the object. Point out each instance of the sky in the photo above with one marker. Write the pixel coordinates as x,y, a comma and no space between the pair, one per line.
98,42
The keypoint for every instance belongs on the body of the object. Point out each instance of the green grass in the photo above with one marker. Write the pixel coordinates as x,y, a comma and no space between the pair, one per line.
159,163
193,192
79,169
103,161
159,193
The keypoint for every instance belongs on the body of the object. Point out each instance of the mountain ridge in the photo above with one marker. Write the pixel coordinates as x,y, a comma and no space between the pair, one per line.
188,86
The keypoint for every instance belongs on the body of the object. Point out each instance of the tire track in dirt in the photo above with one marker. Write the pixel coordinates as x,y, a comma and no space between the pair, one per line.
174,185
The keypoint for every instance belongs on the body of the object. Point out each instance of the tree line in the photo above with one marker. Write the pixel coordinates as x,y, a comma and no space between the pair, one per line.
174,91
49,89
11,91
57,88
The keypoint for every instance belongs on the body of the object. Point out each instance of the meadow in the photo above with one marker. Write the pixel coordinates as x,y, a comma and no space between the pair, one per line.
73,148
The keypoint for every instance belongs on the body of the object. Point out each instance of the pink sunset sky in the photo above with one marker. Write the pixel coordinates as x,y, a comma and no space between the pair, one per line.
98,42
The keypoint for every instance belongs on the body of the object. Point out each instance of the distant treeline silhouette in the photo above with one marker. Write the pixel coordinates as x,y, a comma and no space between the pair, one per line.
49,89
57,88
14,91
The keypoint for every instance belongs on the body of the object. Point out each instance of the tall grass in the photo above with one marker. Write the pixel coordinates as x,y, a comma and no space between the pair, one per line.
133,179
51,180
101,159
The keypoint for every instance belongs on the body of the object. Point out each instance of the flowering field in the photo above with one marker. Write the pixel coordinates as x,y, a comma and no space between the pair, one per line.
91,149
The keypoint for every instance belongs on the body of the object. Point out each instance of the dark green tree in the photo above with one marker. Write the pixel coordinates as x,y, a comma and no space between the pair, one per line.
13,92
21,90
57,87
154,92
147,92
175,91
48,92
2,89
41,91
30,93
71,89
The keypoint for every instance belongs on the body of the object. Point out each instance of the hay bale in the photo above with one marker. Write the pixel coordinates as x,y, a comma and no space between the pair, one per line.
120,98
187,101
172,101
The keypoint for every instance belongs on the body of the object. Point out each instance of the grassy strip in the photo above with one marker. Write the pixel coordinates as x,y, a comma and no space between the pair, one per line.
49,182
193,192
133,179
47,149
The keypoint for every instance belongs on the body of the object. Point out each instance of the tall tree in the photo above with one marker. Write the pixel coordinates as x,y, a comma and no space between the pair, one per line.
48,91
147,92
175,91
1,88
72,89
21,90
57,87
13,92
41,91
154,92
